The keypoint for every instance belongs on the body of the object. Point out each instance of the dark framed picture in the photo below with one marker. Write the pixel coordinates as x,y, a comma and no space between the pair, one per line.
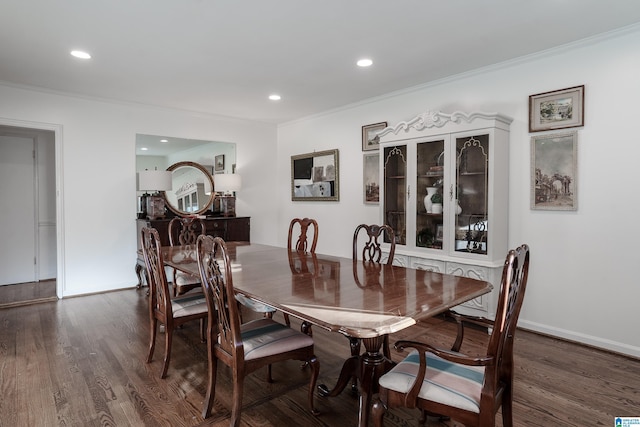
439,233
371,177
558,109
554,172
219,163
370,138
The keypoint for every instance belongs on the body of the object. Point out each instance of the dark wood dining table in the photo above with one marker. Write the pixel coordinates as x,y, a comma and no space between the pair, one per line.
360,300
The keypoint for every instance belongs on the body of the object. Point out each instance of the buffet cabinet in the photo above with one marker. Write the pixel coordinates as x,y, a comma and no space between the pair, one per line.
444,191
229,228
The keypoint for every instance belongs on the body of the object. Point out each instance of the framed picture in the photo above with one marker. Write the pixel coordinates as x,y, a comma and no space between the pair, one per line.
370,139
219,163
315,176
558,109
371,178
554,172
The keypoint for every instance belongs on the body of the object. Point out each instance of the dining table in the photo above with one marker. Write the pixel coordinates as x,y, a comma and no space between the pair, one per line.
360,300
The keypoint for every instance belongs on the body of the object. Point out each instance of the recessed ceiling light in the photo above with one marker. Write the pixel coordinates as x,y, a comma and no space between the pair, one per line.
365,62
143,149
164,140
80,54
275,97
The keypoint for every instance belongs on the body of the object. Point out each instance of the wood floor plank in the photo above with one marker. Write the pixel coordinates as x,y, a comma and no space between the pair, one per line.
81,362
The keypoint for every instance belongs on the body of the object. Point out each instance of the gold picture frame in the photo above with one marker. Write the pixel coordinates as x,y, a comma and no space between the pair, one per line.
315,176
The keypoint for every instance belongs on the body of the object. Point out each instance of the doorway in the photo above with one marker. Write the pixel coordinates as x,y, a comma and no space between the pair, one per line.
29,235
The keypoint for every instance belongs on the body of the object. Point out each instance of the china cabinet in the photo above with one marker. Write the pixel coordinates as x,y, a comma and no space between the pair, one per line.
444,191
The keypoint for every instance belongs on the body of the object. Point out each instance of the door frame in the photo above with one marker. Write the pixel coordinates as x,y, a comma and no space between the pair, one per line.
57,130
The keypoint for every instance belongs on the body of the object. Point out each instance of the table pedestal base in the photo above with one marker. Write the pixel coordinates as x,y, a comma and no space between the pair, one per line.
367,368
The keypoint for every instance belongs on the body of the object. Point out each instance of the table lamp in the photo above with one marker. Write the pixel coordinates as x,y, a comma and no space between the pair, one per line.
226,185
154,181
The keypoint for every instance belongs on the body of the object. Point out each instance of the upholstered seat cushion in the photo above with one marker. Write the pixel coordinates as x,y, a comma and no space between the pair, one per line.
189,304
254,305
445,382
264,337
185,279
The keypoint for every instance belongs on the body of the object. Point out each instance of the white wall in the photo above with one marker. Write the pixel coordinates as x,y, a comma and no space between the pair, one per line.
582,282
98,180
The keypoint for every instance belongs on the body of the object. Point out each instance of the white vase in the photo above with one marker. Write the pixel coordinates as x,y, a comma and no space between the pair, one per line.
436,208
427,199
458,208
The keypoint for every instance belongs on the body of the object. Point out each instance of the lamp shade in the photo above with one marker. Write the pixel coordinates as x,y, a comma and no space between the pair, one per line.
227,182
154,180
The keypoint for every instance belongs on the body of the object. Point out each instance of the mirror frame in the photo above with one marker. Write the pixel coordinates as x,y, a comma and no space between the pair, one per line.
306,161
203,209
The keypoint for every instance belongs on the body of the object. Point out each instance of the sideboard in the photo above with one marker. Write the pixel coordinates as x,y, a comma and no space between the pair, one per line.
236,228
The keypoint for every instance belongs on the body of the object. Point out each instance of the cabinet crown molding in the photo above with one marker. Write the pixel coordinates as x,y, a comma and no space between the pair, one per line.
437,119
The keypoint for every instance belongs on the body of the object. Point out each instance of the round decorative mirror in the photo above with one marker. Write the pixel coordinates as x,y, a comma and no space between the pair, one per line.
192,189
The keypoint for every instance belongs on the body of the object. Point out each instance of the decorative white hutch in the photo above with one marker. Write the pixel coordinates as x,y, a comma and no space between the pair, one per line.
462,161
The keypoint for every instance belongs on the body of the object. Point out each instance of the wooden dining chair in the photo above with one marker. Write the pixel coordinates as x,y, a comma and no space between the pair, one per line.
171,312
302,244
371,253
451,384
243,347
185,231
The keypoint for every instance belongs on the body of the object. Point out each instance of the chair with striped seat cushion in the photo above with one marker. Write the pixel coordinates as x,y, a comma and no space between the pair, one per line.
448,383
248,347
162,308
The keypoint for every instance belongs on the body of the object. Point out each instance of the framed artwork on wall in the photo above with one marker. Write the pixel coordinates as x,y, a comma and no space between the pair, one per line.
558,109
219,163
315,176
371,177
554,172
370,138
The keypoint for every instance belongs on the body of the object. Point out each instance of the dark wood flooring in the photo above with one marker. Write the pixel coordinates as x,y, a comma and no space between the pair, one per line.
80,362
28,293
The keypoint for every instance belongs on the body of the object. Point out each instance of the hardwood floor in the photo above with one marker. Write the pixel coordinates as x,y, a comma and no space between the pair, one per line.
80,362
27,293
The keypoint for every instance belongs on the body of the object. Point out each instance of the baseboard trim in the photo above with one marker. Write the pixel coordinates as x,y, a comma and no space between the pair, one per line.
589,340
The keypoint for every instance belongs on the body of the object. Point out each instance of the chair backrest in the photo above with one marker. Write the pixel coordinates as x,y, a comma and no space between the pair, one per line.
217,281
512,288
302,244
185,231
158,285
372,251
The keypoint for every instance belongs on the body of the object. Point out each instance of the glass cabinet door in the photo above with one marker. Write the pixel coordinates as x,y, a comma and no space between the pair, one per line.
395,189
471,194
430,202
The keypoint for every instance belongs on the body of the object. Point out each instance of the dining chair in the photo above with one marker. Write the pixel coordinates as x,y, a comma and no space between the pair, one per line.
246,347
371,253
171,312
185,231
448,383
301,245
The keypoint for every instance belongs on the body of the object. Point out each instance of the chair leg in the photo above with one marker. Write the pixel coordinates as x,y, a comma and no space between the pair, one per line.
315,371
507,413
167,350
236,406
377,413
269,377
211,388
152,339
203,330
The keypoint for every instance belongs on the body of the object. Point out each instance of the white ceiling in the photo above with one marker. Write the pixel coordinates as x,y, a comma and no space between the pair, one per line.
226,56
